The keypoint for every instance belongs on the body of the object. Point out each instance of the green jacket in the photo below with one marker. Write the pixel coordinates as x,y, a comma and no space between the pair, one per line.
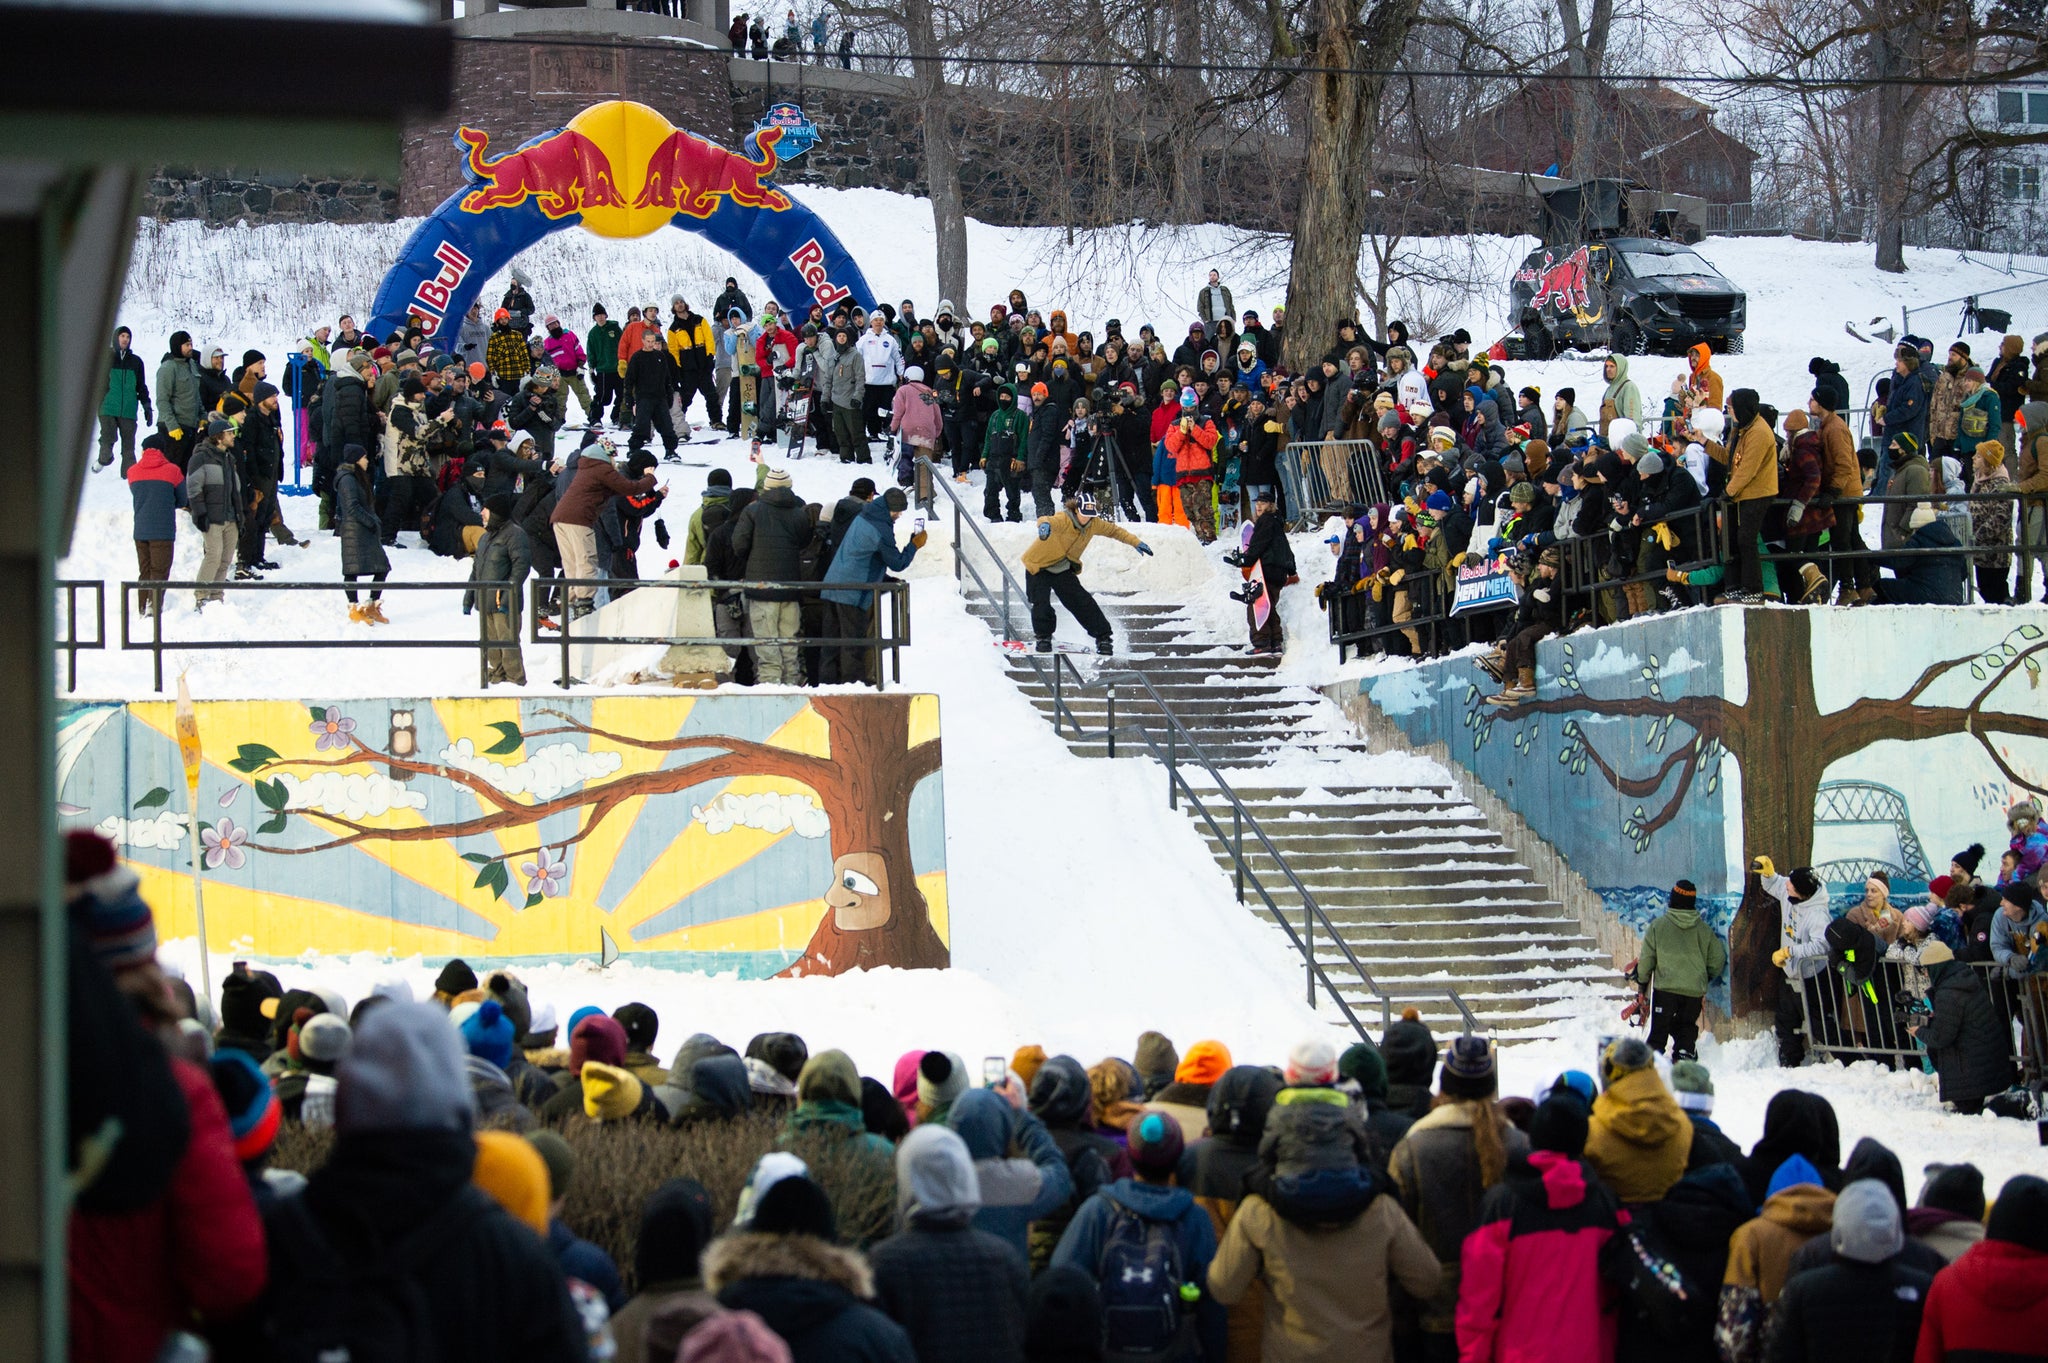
126,387
693,540
1977,420
1681,954
1006,419
602,346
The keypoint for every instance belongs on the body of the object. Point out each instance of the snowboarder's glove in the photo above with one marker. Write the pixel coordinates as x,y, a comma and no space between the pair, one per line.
1543,594
1394,578
1764,866
1780,956
1458,560
1667,538
1144,549
661,534
177,432
1795,513
918,540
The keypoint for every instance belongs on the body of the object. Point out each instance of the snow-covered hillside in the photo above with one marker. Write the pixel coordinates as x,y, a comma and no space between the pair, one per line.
1084,910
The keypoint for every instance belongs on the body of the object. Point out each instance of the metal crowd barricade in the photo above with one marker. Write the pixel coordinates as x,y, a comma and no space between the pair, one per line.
157,645
549,625
1328,475
1850,1020
69,644
1967,550
1580,574
1354,624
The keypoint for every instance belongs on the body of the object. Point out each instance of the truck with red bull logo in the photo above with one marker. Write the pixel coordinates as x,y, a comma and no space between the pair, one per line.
1627,294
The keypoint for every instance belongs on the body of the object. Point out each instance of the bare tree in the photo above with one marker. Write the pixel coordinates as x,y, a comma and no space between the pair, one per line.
1585,55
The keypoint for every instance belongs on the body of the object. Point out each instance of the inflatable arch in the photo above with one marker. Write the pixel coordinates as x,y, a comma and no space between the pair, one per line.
618,169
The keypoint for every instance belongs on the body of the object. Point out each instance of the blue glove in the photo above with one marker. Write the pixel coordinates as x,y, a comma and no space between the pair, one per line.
1144,549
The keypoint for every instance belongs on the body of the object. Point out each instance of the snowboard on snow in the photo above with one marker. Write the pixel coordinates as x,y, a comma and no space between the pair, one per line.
1025,648
1253,593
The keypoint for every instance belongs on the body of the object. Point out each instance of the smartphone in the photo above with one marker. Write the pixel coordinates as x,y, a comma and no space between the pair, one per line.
993,1069
917,523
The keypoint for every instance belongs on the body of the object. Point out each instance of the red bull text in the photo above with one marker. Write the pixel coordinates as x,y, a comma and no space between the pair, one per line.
809,260
564,172
690,176
430,299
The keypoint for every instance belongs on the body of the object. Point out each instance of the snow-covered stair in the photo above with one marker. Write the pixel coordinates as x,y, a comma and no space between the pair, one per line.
1427,897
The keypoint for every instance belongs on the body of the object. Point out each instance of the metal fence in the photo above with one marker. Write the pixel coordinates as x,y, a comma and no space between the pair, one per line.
1325,476
1849,1019
548,626
69,643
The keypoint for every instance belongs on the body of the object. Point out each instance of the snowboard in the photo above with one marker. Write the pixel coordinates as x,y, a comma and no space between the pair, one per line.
1261,604
750,403
1025,648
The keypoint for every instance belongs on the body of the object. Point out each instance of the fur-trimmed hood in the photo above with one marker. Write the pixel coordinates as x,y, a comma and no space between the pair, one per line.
740,1255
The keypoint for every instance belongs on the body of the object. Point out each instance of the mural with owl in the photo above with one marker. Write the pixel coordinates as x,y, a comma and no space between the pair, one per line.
764,834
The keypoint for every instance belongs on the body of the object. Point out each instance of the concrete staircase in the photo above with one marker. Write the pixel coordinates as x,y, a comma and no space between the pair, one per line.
1422,891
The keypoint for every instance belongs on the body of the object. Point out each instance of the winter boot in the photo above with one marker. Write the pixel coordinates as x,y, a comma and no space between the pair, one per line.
374,614
1044,644
1106,645
1523,689
1638,596
1816,585
356,616
1495,665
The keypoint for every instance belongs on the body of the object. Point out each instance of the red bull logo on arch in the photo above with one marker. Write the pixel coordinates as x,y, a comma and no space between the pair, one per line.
618,169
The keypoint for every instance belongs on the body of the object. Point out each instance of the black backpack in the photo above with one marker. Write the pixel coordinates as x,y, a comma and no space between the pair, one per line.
1144,1317
328,1311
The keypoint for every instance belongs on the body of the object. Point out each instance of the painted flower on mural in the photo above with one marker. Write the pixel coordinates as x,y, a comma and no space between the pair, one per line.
224,842
331,729
547,875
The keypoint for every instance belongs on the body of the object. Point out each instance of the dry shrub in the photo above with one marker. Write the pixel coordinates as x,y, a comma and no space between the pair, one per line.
618,1167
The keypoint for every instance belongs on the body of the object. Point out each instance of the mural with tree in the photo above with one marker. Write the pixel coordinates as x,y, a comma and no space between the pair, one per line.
1657,742
701,821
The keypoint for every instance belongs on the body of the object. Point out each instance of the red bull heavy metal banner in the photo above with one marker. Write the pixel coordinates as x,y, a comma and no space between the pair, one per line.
618,169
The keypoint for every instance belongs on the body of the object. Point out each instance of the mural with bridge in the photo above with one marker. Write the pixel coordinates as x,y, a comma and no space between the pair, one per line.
1681,746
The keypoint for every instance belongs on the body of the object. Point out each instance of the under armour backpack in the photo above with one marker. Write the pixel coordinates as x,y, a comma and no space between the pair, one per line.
1141,1273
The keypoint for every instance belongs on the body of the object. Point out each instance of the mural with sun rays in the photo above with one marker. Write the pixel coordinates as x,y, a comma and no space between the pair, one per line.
768,835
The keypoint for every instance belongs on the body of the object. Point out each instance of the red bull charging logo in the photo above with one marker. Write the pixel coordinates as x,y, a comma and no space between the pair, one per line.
580,169
1561,281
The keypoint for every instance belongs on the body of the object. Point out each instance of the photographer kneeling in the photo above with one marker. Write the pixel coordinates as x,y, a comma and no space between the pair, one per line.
1966,1036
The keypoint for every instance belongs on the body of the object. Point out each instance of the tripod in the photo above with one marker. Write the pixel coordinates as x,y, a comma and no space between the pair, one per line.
1099,474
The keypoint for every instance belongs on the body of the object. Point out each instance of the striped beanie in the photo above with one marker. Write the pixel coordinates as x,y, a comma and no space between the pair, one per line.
252,1106
108,897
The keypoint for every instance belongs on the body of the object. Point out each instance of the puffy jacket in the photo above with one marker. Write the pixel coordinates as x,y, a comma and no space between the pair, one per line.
1966,1038
845,379
1977,420
1926,579
596,481
456,509
866,553
1530,1288
813,1294
1681,954
769,539
1640,1138
691,344
1327,1296
1760,1255
1192,450
213,486
157,489
915,414
1990,1304
346,415
881,358
504,554
564,350
356,524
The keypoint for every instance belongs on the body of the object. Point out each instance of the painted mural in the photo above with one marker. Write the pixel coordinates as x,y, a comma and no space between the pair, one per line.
1678,746
765,835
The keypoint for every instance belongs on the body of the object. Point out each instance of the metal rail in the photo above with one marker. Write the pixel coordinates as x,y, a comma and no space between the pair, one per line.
1174,753
71,645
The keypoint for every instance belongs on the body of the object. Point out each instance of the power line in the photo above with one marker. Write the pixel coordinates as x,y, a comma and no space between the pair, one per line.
1748,80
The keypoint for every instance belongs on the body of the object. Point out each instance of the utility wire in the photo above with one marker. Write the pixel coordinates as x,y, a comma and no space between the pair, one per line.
1748,80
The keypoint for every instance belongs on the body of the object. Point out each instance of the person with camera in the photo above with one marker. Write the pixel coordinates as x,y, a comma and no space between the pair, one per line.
1803,956
1963,1031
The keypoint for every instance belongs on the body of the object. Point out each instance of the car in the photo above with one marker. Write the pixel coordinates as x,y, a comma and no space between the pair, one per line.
1629,294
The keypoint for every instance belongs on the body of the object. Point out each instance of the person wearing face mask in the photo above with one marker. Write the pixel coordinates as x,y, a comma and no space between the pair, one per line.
1002,458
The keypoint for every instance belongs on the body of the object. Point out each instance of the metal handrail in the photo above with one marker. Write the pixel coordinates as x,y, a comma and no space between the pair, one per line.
560,625
1177,738
156,644
71,645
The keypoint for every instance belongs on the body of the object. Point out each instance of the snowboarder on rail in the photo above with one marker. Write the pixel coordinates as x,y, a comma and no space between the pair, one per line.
1052,567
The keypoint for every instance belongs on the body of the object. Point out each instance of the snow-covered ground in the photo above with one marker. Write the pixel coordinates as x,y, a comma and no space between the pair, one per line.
1084,910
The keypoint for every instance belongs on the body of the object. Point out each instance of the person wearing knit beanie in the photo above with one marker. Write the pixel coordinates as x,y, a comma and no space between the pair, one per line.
1156,1061
1312,1063
941,1079
487,1032
1026,1061
1641,1140
1693,1086
404,1071
540,1030
107,896
1411,1053
611,1094
1963,865
1693,1089
1469,1072
1559,1125
513,1173
1156,1144
252,1107
1680,959
1989,1304
455,978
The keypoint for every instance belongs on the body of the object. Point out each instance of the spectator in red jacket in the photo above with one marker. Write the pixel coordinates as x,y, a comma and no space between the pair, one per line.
195,1251
1529,1284
1993,1301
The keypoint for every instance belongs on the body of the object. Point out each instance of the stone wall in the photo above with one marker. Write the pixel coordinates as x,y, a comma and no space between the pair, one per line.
220,197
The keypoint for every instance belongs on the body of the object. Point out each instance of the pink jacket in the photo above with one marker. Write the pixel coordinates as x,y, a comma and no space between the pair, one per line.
1529,1288
565,350
916,416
